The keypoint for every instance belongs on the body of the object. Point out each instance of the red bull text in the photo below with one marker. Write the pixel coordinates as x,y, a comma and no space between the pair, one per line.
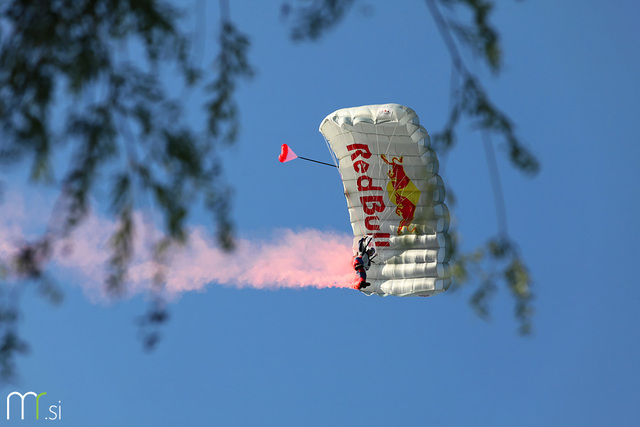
371,196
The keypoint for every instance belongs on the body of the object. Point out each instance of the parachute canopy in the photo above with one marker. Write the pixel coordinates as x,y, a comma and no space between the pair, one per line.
395,195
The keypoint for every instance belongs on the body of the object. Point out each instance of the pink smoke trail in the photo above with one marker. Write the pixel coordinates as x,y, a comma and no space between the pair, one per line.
288,259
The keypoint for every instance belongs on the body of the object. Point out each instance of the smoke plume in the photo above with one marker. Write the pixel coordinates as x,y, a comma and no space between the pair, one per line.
289,259
286,259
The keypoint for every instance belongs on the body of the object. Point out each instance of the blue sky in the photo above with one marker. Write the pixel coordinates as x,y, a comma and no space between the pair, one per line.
335,357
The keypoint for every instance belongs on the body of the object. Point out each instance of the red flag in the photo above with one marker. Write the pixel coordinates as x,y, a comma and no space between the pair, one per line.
286,154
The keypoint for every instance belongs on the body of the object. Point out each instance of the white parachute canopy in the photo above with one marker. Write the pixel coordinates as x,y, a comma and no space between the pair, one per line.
394,195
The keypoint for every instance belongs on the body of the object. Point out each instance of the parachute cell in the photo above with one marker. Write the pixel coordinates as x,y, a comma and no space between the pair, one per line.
394,195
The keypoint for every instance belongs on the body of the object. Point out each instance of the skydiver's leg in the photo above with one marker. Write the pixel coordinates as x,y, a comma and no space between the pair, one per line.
362,274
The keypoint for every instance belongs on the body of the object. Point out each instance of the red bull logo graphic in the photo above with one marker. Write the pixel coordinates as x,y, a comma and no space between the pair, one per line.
403,193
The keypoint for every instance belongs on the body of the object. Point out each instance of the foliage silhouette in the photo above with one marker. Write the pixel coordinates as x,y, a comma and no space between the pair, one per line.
124,123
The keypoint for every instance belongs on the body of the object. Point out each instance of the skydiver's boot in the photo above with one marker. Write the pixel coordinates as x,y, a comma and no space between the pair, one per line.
363,285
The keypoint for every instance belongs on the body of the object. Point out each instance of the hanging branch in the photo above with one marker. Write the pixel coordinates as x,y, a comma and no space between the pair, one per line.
469,99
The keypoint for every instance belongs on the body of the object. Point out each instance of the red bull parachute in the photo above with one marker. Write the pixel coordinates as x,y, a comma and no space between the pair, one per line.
394,195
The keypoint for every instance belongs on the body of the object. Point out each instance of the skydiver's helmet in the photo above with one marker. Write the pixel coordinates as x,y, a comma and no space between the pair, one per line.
371,252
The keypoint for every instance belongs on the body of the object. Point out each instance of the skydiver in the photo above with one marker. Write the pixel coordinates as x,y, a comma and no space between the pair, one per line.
359,266
362,261
368,253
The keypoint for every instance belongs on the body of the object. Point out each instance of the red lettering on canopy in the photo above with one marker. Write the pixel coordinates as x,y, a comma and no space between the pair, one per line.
368,186
367,223
377,236
360,150
372,204
361,166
